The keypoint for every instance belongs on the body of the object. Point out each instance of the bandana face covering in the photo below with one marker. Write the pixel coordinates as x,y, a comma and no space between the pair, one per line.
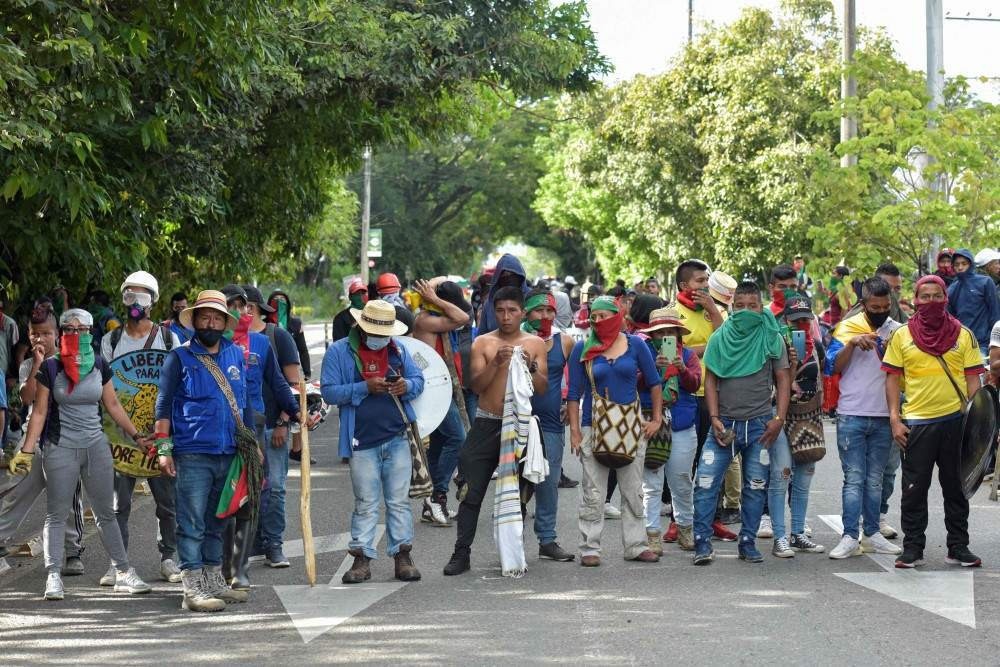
603,333
358,300
686,298
77,356
933,328
542,327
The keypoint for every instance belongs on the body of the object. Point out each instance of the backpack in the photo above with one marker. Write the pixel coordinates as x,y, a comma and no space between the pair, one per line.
165,333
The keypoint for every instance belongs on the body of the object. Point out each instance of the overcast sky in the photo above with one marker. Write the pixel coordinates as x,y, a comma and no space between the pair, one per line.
641,36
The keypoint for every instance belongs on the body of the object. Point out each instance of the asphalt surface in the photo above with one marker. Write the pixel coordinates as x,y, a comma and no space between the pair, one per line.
809,609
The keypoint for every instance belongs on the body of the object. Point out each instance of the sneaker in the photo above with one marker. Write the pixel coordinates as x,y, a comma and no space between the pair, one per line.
109,577
647,556
766,530
458,564
215,585
703,554
804,544
807,530
877,544
655,541
73,567
781,548
749,553
910,559
567,483
847,547
257,553
722,533
169,571
276,558
729,516
54,587
591,560
671,535
552,551
962,556
685,538
667,509
611,512
434,512
129,582
888,532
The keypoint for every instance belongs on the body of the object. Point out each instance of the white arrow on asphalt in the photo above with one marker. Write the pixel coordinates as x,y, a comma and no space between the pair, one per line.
950,595
321,545
315,610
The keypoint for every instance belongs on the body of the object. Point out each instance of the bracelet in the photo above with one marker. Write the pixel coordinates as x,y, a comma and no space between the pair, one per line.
777,418
164,446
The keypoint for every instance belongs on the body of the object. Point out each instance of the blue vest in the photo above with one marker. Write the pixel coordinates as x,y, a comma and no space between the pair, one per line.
259,347
684,411
201,419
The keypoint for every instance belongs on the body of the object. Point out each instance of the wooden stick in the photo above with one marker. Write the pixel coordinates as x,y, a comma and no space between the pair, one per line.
304,506
456,386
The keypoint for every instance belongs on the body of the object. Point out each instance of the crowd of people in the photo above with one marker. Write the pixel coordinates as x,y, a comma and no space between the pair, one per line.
700,411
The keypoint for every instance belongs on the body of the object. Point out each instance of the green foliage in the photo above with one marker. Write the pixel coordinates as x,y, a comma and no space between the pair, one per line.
205,139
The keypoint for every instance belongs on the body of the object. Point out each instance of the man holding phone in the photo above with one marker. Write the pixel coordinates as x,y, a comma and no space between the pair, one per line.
373,379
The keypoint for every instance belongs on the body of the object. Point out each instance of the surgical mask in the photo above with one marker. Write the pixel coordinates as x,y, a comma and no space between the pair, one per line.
876,319
209,337
376,343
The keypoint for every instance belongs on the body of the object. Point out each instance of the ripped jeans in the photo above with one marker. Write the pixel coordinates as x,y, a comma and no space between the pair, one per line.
712,466
788,480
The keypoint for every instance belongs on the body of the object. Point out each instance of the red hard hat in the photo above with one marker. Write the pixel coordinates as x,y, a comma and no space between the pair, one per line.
387,282
356,286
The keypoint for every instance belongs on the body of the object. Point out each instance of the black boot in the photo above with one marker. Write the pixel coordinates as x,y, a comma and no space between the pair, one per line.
242,543
227,550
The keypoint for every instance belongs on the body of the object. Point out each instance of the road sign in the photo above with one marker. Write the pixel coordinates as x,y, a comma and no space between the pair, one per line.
374,242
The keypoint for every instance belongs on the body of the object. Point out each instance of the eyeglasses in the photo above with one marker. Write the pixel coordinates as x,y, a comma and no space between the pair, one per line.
74,331
140,299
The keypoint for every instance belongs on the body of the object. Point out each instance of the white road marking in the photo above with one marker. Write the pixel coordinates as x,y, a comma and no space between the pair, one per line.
950,595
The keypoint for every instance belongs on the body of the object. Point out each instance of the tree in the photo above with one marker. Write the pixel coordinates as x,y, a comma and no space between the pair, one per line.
204,139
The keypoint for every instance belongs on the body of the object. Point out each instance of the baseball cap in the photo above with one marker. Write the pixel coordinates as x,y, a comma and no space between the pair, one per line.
254,296
797,307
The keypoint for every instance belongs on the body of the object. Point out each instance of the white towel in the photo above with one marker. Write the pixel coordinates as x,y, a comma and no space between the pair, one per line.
536,468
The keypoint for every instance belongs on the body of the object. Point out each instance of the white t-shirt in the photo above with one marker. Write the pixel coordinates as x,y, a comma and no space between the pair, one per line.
128,343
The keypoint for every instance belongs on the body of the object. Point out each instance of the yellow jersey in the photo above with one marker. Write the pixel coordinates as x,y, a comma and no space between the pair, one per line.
700,326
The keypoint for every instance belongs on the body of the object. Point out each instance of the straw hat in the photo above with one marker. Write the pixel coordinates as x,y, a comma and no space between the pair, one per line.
211,299
379,319
722,287
665,318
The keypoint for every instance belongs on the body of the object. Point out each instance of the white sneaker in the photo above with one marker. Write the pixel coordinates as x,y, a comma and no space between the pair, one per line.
847,547
611,512
129,582
666,509
887,530
169,571
766,530
877,544
109,577
54,587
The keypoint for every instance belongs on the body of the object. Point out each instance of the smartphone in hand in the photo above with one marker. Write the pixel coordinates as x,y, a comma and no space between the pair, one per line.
392,376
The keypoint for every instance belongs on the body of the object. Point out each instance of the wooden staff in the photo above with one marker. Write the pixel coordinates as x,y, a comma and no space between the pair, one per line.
456,385
304,511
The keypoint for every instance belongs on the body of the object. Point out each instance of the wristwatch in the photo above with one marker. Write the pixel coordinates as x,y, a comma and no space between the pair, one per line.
281,423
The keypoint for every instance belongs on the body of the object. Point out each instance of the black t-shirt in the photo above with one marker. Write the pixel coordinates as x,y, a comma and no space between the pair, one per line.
286,354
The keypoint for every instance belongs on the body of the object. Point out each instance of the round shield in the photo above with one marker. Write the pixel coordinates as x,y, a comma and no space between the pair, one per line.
979,438
135,377
433,403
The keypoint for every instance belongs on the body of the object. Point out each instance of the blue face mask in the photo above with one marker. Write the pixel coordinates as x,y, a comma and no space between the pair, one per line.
376,343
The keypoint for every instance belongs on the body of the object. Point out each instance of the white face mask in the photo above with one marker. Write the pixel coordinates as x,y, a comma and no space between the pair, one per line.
376,343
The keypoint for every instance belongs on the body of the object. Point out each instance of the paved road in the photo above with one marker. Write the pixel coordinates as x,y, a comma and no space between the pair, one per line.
806,610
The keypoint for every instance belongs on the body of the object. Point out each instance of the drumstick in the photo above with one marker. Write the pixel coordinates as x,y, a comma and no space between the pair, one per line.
304,511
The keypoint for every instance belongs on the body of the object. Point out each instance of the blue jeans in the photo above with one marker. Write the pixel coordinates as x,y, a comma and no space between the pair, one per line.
787,474
712,467
864,444
683,450
889,478
199,483
381,472
272,497
547,493
442,455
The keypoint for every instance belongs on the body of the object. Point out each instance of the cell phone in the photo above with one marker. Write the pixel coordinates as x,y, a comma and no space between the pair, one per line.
668,347
799,343
393,376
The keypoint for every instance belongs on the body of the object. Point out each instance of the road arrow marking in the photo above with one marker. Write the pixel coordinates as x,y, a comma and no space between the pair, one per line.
315,610
949,594
321,545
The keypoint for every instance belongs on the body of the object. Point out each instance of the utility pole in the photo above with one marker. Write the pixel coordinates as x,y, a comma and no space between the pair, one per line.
848,84
366,212
690,20
935,90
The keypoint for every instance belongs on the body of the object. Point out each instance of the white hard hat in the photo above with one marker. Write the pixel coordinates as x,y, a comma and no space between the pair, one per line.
569,280
144,280
984,257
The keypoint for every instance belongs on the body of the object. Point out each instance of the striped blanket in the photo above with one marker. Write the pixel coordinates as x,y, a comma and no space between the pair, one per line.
508,523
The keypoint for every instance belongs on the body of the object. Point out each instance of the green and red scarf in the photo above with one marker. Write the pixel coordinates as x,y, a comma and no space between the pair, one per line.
542,327
603,334
76,353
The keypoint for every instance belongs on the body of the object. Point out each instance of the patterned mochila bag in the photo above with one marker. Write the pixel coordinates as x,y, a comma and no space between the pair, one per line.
658,447
616,428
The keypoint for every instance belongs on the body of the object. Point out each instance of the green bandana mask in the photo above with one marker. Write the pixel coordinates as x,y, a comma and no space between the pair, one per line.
228,333
743,344
357,302
282,314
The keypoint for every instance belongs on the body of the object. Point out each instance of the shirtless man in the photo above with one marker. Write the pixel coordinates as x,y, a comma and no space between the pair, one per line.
491,354
441,315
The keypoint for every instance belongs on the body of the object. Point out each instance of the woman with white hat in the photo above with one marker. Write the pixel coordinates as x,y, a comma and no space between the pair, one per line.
66,418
